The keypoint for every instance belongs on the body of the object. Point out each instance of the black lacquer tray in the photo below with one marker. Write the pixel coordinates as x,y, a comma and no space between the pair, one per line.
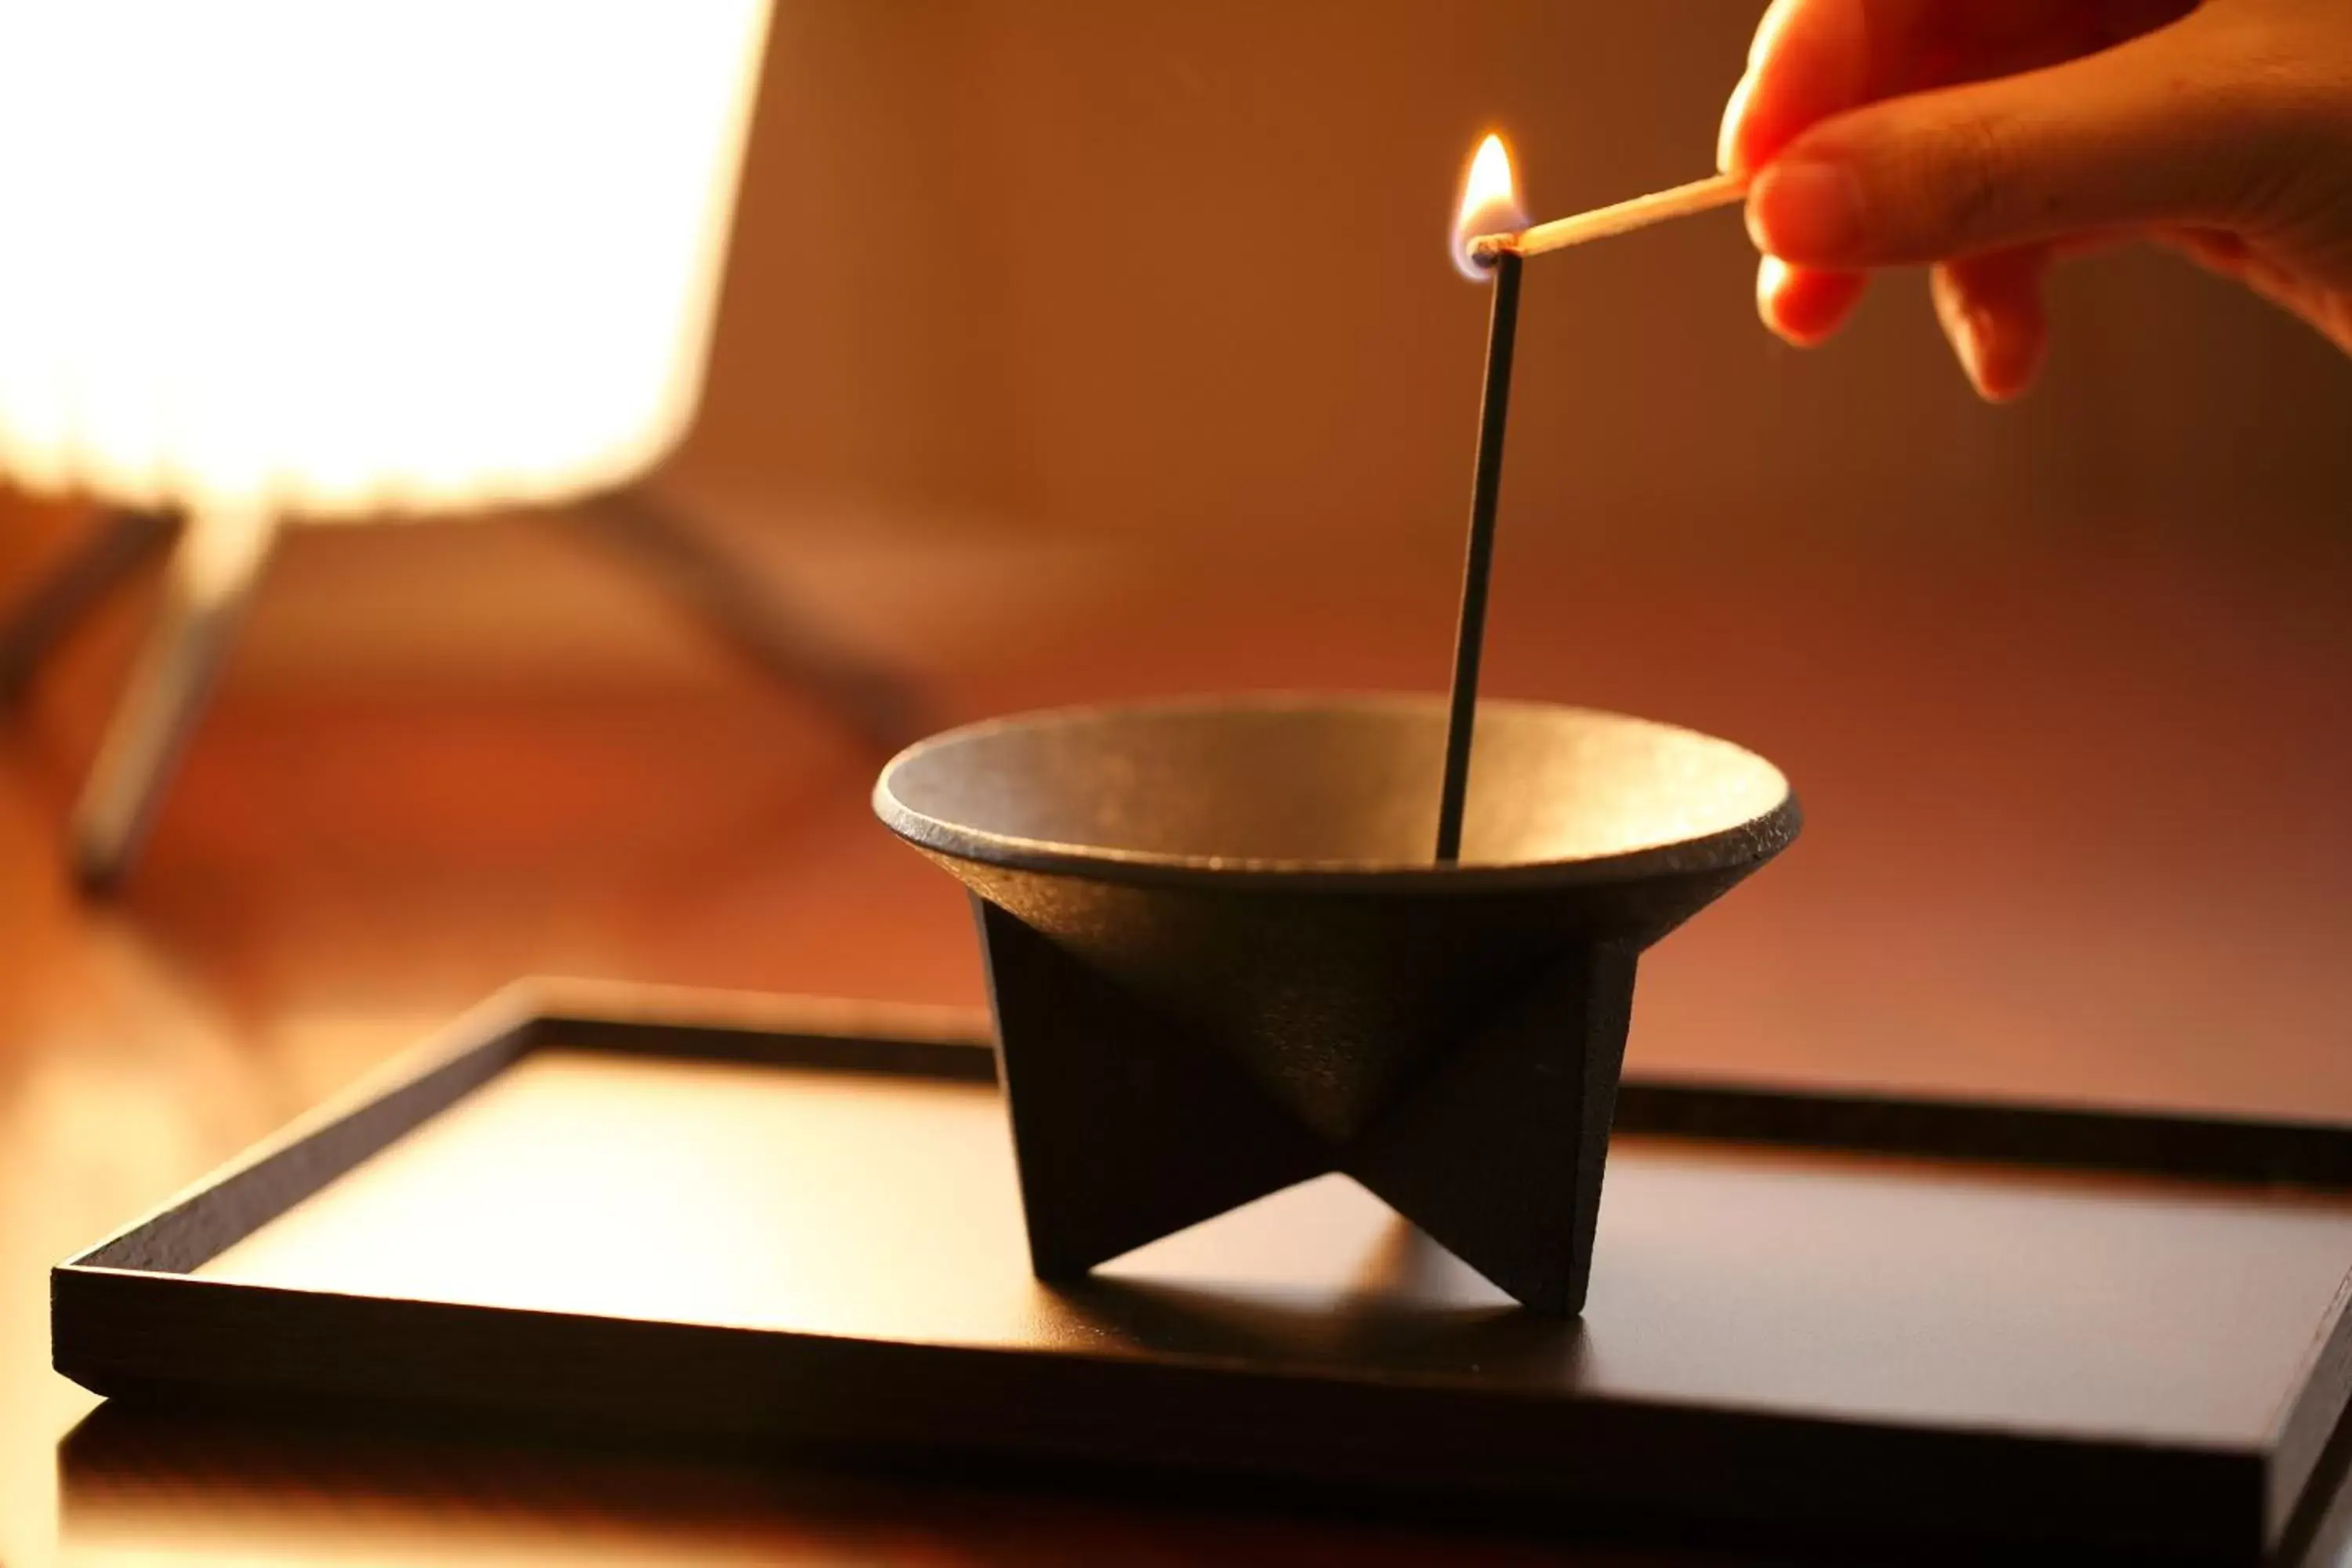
771,1218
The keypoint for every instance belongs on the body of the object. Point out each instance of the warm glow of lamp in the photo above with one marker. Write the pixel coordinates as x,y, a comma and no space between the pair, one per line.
286,259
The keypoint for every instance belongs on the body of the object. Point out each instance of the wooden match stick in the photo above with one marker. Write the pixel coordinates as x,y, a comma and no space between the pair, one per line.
1485,485
1698,196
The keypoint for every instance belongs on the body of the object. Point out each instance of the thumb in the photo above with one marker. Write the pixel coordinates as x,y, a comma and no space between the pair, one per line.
2167,128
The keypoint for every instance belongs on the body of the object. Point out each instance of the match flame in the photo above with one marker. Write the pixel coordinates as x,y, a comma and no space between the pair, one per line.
1490,204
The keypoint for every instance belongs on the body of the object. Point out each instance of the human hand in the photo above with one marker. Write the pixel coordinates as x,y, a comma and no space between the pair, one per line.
1989,137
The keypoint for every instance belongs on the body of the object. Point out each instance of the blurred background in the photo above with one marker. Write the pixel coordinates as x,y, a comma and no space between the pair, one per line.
1069,351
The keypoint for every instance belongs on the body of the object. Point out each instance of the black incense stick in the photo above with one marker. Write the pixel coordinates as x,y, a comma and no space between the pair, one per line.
1470,637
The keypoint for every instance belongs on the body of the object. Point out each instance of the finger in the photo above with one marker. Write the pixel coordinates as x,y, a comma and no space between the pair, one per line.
2109,140
1990,308
1813,58
1803,304
2095,242
2215,249
1807,62
2232,256
2121,19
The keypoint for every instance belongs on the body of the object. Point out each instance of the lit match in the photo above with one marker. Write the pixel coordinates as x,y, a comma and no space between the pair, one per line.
1622,217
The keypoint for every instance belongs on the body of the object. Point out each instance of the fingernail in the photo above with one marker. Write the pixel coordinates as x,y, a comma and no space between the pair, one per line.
1771,277
1806,211
2001,355
1973,342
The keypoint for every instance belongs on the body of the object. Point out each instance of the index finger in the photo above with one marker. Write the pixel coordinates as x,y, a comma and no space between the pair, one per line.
1814,58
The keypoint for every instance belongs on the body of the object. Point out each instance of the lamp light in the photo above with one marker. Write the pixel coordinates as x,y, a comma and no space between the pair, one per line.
272,261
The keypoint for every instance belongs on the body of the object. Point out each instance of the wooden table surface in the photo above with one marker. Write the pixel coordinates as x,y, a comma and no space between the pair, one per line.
2075,829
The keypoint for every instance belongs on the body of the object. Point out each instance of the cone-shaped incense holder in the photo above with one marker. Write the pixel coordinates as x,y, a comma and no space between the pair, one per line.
1223,960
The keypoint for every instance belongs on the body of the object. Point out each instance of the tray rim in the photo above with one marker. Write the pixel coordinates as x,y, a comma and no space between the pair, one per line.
955,1044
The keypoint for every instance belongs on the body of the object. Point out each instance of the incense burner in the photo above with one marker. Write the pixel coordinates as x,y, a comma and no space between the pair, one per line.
1222,959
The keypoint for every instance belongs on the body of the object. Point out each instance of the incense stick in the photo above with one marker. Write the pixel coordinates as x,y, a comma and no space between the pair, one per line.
1486,485
1658,206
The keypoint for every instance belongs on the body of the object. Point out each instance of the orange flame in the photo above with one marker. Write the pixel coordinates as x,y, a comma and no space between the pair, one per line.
1490,204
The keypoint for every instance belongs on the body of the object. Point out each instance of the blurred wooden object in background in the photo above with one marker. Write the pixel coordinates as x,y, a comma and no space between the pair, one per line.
212,569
